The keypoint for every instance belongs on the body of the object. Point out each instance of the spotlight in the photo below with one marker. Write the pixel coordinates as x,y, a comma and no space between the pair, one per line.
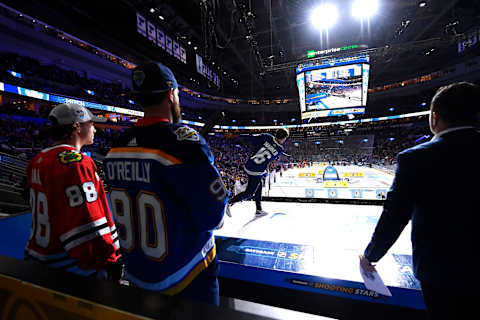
364,9
324,16
422,4
152,10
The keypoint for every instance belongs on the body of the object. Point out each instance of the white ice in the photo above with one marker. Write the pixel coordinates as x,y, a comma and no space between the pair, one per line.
338,233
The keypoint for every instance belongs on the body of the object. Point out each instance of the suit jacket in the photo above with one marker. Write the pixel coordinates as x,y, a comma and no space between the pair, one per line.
436,186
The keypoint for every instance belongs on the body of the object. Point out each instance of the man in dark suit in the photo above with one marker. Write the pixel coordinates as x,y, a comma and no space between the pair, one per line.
436,186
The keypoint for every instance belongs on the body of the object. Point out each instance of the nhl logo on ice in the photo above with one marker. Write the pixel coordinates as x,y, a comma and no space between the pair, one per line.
138,77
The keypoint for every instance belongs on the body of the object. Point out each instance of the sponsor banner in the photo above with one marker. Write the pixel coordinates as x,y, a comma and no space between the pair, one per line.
309,193
335,184
332,193
357,193
168,44
141,25
306,174
183,54
199,63
354,174
160,38
152,32
176,50
32,93
209,74
59,99
128,111
331,113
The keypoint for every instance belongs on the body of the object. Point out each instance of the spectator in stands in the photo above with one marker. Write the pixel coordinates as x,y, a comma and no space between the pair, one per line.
436,186
179,195
72,227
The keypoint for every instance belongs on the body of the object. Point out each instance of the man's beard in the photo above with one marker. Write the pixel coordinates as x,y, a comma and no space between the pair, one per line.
176,112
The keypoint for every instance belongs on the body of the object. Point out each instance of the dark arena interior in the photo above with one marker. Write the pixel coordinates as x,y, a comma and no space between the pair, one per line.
351,80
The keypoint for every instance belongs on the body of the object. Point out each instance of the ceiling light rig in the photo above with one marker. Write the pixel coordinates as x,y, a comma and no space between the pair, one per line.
248,21
324,16
364,9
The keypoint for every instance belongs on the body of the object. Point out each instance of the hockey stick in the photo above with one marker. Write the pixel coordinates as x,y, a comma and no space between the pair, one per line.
211,121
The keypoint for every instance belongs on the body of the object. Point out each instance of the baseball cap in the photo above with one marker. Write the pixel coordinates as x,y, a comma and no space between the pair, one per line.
68,113
152,77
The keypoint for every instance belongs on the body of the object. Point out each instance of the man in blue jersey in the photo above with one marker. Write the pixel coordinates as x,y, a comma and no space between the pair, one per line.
267,149
166,195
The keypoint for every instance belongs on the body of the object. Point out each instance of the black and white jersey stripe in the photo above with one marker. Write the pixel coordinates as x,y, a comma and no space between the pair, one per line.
82,234
114,234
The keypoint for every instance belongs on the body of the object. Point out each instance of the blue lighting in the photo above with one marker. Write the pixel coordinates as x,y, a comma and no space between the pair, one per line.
90,92
234,121
423,104
365,140
391,139
391,109
131,101
15,74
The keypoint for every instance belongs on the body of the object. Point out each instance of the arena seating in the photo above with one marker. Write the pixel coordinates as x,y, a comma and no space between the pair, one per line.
24,136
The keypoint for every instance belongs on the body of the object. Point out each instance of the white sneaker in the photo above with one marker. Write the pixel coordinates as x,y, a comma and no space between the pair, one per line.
227,210
260,213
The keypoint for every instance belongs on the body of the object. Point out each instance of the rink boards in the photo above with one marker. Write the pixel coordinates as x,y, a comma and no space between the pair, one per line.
311,248
314,247
356,182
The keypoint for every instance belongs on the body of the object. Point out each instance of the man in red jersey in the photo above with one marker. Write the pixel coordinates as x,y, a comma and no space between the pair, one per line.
72,227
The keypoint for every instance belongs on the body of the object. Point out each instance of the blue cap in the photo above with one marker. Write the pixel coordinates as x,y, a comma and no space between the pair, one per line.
152,77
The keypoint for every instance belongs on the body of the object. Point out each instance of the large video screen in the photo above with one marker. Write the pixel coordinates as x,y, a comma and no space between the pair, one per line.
333,89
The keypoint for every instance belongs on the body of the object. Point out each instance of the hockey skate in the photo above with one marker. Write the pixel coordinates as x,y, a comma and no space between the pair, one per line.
227,210
260,213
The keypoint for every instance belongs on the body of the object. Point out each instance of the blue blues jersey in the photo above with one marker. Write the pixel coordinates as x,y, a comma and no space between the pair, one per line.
266,149
167,198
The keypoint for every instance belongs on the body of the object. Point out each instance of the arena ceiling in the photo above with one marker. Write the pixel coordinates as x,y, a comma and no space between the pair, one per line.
245,38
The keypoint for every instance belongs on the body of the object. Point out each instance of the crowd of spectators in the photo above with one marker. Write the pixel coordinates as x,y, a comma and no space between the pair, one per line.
25,138
53,79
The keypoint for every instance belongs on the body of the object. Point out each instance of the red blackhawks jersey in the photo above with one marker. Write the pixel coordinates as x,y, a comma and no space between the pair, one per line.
72,228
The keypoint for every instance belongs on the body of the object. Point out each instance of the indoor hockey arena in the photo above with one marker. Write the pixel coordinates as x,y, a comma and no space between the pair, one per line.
256,146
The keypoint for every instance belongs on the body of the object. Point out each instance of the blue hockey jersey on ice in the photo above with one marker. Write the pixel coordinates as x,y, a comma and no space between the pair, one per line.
167,198
266,149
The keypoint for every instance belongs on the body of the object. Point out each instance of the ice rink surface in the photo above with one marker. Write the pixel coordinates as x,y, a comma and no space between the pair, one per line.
334,235
359,183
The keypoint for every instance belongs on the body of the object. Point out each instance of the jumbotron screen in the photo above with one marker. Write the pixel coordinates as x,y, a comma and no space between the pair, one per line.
333,89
